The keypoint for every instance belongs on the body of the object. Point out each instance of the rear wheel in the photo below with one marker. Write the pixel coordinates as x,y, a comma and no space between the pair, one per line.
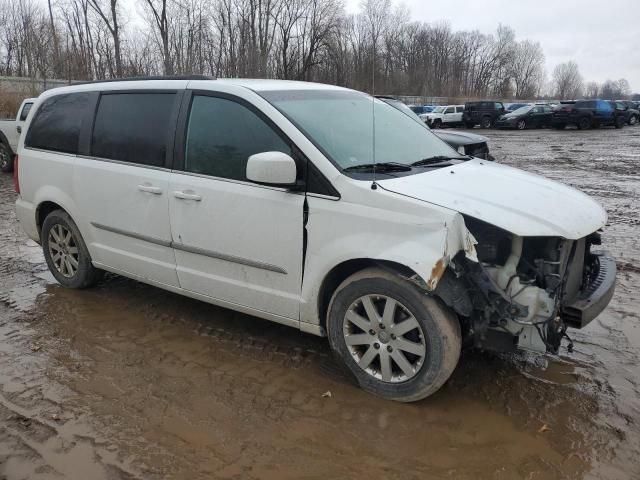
398,342
66,253
6,158
485,122
633,120
584,123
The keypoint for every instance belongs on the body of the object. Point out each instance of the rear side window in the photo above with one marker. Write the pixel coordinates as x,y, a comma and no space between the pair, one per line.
133,127
222,135
25,111
56,126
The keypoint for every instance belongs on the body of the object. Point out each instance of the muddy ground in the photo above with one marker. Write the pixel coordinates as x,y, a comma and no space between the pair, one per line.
128,381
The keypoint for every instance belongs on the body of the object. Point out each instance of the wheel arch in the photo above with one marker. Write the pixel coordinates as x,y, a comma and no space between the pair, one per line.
3,139
43,210
345,269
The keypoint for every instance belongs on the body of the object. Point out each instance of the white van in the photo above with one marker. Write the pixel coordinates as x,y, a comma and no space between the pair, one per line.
276,199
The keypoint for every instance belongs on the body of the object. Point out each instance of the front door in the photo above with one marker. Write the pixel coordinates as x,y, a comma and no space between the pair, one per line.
235,241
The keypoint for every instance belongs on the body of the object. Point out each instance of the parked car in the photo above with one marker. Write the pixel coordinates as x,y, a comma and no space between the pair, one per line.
529,116
428,108
482,113
632,114
263,196
9,134
510,107
587,114
464,143
444,116
417,109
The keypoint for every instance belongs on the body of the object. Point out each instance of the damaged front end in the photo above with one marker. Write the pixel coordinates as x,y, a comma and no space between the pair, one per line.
523,292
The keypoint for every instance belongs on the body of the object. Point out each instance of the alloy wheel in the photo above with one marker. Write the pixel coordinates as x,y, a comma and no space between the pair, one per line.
384,338
63,250
522,125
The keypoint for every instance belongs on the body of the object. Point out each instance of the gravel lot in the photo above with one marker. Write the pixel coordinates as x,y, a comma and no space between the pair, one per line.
128,381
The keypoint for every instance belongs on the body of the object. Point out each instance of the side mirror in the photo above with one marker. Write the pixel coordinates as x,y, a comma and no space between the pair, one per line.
272,168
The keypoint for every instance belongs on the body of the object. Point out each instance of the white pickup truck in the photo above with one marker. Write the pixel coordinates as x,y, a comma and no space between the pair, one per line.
10,134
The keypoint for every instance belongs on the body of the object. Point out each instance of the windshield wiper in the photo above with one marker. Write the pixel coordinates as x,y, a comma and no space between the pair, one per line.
379,167
438,159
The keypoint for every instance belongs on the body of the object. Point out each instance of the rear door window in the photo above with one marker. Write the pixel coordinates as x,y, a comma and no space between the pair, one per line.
56,126
449,110
133,127
221,136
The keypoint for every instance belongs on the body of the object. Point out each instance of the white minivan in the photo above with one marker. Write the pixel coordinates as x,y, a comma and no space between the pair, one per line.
285,200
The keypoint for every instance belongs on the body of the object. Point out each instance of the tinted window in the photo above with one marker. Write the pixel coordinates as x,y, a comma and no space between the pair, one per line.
459,109
133,127
57,123
25,111
223,134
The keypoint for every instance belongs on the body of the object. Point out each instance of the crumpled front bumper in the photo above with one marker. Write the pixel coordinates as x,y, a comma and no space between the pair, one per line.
594,297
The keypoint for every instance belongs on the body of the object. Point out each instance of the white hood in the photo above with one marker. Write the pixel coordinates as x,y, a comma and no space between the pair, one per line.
522,203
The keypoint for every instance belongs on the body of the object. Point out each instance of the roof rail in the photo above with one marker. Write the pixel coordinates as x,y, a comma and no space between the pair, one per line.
152,77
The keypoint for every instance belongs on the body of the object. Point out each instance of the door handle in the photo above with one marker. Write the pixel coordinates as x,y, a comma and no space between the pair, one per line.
150,189
187,195
19,129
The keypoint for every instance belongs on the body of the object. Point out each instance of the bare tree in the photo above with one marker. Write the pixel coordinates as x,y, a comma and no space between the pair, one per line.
527,69
567,80
109,15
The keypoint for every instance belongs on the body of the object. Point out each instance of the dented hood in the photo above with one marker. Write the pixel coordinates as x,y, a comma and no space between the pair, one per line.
522,203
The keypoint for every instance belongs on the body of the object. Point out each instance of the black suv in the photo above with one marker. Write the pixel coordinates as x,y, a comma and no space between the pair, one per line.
588,113
482,113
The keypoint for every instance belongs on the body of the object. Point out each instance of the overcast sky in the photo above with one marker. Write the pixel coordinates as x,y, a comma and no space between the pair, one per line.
603,36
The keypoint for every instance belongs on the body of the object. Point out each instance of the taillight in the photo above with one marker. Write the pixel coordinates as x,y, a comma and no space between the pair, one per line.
16,175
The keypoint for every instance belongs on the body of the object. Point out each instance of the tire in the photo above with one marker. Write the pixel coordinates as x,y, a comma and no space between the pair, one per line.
434,331
584,123
486,122
6,158
620,122
437,123
469,125
521,125
633,120
77,270
557,126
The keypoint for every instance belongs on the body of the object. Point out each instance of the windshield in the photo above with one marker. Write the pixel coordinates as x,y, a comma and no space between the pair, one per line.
341,124
438,110
521,110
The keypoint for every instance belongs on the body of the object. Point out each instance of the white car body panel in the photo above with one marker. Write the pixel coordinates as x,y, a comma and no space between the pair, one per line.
414,221
514,200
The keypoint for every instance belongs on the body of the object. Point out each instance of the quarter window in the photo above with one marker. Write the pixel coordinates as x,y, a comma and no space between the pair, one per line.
133,127
222,135
56,126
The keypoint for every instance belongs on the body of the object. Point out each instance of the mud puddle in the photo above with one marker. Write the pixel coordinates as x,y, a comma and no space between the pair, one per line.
128,381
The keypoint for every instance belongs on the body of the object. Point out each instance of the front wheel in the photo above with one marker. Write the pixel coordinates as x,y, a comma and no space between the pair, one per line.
633,120
521,125
66,253
486,122
398,342
437,124
620,121
6,158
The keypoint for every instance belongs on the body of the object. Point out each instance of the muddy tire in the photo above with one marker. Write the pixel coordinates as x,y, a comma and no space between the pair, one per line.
398,342
66,253
6,158
486,122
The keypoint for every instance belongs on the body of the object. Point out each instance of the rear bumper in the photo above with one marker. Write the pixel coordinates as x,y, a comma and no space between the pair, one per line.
594,297
27,217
